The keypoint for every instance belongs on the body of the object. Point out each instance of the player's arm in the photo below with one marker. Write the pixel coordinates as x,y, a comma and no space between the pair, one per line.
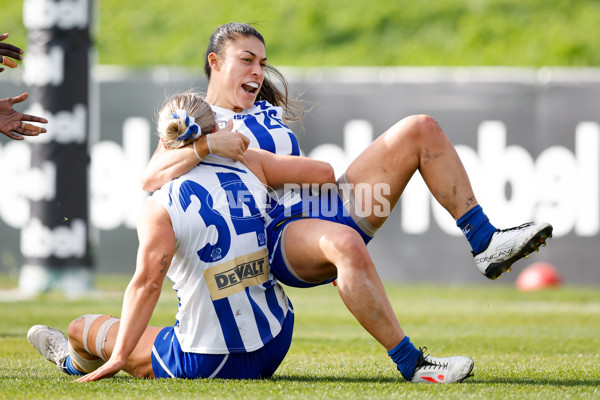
155,252
277,170
166,165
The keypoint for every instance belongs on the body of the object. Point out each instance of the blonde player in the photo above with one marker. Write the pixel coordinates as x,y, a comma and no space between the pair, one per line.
310,247
206,232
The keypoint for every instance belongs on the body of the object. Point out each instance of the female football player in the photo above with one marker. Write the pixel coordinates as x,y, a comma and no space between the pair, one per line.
206,232
309,247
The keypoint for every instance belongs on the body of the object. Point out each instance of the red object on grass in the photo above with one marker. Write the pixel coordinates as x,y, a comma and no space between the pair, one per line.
539,275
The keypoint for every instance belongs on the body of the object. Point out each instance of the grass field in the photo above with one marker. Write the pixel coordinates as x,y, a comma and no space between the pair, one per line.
542,345
345,33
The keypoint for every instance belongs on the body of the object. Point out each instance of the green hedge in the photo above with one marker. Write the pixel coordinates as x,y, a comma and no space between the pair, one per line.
349,32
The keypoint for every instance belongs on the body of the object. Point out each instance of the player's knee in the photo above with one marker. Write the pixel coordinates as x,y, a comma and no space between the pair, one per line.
417,128
349,243
75,329
88,330
422,122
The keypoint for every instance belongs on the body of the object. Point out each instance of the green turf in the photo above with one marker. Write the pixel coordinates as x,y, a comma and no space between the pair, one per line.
541,345
346,32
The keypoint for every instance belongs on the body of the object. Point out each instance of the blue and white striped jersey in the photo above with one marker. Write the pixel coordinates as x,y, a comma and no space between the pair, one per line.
263,125
229,301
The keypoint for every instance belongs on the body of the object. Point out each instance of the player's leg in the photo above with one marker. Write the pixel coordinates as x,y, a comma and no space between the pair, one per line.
319,250
92,340
414,143
86,342
417,143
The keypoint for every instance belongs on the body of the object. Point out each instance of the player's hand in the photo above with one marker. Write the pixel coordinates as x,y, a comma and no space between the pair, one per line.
228,144
8,51
12,122
111,368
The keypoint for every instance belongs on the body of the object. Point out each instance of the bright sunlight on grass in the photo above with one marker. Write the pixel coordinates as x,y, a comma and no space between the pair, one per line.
525,345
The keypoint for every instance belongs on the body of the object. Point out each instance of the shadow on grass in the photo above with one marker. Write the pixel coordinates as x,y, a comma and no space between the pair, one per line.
40,377
335,379
469,381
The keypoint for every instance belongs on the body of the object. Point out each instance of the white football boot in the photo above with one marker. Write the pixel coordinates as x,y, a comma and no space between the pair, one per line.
442,370
510,245
50,343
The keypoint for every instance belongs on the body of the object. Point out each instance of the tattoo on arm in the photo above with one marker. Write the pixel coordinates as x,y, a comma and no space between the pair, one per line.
164,263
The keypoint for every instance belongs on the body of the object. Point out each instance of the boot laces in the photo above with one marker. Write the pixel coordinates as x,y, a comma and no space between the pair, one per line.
425,361
516,228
